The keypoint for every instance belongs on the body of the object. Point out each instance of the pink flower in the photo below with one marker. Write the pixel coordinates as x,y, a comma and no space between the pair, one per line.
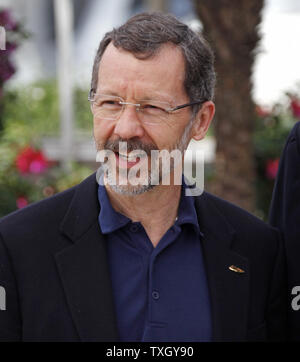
7,21
295,106
37,166
272,168
21,202
31,161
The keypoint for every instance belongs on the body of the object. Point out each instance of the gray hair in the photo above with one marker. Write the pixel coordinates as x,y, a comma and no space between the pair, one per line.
145,33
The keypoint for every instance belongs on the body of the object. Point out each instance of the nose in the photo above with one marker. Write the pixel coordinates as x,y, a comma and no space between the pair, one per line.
129,125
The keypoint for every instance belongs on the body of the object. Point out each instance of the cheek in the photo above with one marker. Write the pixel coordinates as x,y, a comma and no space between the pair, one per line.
165,137
102,129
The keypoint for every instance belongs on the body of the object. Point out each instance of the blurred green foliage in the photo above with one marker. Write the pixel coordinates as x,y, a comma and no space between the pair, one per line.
33,111
29,113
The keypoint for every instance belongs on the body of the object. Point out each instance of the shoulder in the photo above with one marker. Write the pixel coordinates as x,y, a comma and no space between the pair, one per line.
294,138
289,171
31,237
46,209
295,132
40,223
36,223
247,227
232,212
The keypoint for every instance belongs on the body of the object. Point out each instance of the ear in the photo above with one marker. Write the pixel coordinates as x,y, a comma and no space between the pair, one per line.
202,120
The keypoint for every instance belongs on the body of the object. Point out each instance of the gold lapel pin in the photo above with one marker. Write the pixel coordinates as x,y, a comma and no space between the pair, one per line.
236,269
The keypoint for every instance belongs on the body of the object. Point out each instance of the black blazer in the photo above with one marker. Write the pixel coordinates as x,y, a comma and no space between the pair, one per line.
54,268
285,214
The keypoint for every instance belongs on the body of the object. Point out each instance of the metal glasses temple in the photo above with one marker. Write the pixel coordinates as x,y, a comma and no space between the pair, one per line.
187,105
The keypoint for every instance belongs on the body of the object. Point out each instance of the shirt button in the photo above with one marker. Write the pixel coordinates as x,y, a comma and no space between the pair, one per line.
155,295
134,228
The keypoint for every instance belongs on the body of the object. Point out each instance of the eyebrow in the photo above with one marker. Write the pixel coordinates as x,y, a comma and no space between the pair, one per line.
163,97
107,92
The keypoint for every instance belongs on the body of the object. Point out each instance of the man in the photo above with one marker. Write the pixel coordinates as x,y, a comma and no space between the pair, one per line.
125,261
285,214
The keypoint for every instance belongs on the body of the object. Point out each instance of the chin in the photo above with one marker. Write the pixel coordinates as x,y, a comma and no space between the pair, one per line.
129,190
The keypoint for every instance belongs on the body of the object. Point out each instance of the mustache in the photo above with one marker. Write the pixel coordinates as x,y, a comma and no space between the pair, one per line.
132,145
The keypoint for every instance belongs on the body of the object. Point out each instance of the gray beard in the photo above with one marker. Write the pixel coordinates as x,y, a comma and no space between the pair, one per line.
153,179
130,190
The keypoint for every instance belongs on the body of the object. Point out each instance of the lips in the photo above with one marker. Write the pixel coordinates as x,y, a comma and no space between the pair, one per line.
125,161
129,158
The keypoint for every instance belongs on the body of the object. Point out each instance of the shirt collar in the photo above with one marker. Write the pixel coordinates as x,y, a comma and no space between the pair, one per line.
110,220
186,211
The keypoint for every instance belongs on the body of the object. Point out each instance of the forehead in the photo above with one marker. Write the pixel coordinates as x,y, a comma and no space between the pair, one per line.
162,74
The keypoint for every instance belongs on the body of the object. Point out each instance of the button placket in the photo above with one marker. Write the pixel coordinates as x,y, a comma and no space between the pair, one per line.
155,295
154,291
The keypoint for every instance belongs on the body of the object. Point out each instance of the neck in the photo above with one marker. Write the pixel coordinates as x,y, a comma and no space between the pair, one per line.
156,209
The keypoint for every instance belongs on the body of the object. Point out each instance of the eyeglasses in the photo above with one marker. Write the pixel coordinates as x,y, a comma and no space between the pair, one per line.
152,112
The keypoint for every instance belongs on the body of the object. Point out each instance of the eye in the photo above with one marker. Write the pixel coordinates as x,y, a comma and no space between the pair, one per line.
108,103
152,108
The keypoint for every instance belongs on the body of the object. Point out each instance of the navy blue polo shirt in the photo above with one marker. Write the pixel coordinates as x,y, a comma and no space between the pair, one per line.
161,293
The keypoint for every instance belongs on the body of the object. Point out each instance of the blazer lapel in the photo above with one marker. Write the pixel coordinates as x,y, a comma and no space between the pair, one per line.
229,290
83,267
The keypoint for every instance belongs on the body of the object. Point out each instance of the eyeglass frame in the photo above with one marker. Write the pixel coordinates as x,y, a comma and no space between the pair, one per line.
91,94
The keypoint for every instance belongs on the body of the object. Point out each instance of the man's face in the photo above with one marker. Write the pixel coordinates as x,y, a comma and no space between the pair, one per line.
159,78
